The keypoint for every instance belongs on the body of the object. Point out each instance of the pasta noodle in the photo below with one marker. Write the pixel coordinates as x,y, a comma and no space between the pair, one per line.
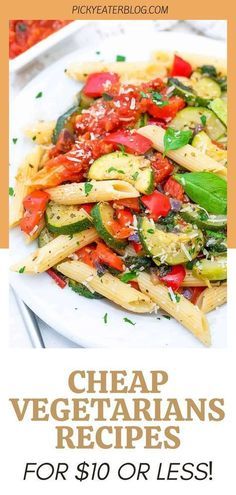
55,251
28,168
211,298
183,311
166,59
75,193
41,132
188,157
107,285
191,281
139,71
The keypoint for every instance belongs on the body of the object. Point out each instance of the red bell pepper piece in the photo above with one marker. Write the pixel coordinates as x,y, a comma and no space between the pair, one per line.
174,189
158,205
180,67
162,168
137,246
132,141
132,203
175,277
107,256
35,204
59,280
98,82
125,217
88,207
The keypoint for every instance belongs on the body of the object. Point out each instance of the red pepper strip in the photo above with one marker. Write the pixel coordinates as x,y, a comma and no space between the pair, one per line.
180,67
175,277
134,284
162,168
137,246
35,204
196,291
88,207
101,253
98,82
132,203
158,205
59,280
175,103
132,141
125,217
174,189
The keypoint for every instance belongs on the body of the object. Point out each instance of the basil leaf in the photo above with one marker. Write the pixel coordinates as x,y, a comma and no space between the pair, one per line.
128,276
206,189
173,140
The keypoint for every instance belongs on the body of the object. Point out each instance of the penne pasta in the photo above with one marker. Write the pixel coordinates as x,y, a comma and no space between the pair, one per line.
191,281
108,190
138,71
54,252
28,168
188,157
107,285
211,298
31,238
166,59
41,132
183,311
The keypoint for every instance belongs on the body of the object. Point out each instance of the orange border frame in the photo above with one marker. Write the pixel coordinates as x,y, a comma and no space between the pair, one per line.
63,9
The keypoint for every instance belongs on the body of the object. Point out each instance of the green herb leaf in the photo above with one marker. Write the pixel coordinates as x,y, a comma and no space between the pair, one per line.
87,188
208,70
120,58
11,191
128,276
203,119
122,149
98,53
135,175
206,189
22,269
14,140
129,321
157,98
33,138
105,317
173,140
150,231
39,95
167,317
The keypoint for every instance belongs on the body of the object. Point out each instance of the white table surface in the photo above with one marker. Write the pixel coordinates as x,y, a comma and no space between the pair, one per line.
89,35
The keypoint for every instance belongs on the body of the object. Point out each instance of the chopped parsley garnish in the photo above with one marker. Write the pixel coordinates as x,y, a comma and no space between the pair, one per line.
122,149
128,276
112,169
203,119
129,321
167,317
105,317
39,95
157,99
150,231
97,53
135,175
11,191
14,140
120,58
87,188
22,269
144,95
33,138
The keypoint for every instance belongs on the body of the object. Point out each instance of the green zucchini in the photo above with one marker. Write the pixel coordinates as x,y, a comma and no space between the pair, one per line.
102,215
84,101
196,215
219,107
82,290
64,219
45,237
168,247
64,122
190,117
215,242
202,142
187,93
211,270
134,169
207,88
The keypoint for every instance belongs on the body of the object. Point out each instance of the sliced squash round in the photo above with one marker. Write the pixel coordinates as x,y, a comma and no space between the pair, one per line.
103,215
211,270
64,219
190,117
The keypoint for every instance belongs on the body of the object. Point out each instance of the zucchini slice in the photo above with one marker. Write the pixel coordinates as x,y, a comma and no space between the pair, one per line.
196,215
207,88
62,219
64,122
211,270
202,142
219,107
168,247
103,214
187,93
45,237
190,117
134,169
82,290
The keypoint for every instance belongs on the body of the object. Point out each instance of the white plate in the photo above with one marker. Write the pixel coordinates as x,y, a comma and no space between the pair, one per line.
42,46
77,318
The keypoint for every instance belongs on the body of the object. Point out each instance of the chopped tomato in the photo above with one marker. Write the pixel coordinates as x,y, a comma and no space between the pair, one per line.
174,189
132,203
175,277
159,122
108,257
57,278
132,141
169,111
120,232
158,205
35,204
137,246
98,82
64,143
180,67
125,217
162,168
